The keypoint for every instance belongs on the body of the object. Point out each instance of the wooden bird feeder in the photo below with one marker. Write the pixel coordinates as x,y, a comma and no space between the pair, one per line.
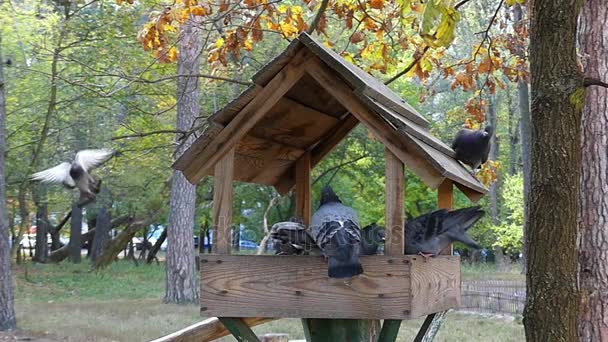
300,106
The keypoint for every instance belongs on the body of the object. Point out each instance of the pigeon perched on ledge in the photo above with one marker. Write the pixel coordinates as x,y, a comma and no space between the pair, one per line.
335,228
429,234
77,174
472,147
292,238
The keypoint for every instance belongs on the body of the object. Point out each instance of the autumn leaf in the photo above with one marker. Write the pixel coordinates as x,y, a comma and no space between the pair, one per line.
173,54
357,37
377,4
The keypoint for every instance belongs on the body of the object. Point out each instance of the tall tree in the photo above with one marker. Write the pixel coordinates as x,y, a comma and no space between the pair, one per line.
75,244
557,91
7,309
42,225
181,278
593,255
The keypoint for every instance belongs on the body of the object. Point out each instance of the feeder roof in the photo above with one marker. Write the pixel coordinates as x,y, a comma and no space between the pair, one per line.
307,100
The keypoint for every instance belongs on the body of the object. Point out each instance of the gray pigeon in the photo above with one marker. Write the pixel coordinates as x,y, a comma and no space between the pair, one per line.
429,234
292,238
77,174
472,147
335,228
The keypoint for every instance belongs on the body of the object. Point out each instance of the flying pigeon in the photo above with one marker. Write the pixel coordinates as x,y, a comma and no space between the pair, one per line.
292,238
472,147
372,237
335,228
429,234
77,174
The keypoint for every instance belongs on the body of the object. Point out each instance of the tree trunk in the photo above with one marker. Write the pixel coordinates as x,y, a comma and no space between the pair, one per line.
55,242
7,304
42,226
75,244
495,187
102,227
513,135
553,302
523,95
154,250
181,272
593,237
63,252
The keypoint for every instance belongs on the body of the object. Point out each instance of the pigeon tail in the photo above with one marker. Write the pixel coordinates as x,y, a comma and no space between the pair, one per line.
344,269
460,221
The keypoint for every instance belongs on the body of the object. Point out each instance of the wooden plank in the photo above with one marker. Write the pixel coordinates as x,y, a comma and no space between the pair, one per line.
298,286
333,138
435,284
449,167
222,203
445,200
293,124
409,126
226,114
303,189
361,80
380,128
310,92
199,144
269,71
264,149
320,151
260,171
247,117
395,194
207,330
239,329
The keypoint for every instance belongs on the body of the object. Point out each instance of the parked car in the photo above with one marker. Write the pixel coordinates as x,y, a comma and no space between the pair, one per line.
246,244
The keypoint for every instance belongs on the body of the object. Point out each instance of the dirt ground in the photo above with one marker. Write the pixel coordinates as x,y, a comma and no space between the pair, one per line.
20,335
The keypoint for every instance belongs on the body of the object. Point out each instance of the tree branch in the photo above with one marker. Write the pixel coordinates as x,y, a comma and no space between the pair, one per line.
409,67
145,134
338,167
318,16
589,81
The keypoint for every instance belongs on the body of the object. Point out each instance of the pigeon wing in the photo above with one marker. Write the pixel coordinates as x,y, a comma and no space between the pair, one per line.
57,174
90,159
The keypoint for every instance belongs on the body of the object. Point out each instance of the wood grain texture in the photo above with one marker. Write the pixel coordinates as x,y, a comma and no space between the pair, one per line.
207,330
309,92
303,189
293,124
378,126
247,117
395,195
435,284
222,203
298,286
445,200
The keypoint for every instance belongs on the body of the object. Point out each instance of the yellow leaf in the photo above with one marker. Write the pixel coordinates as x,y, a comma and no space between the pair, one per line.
219,42
173,54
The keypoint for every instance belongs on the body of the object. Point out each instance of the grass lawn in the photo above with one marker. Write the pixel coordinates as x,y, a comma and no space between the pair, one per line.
67,302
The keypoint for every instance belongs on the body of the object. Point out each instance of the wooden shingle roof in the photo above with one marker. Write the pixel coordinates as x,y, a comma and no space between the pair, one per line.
308,99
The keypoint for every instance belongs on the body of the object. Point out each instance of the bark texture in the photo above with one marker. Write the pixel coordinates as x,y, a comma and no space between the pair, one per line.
42,226
523,96
593,236
552,303
182,286
7,303
75,244
102,227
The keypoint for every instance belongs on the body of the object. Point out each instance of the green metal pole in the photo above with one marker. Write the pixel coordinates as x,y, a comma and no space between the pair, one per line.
343,330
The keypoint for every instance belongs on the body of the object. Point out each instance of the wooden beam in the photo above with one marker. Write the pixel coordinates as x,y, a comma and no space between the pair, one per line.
238,285
329,142
445,200
222,203
378,126
395,193
248,117
303,189
239,329
207,330
319,152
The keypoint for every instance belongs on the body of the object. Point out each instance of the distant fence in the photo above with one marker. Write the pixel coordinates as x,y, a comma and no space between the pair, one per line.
493,296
